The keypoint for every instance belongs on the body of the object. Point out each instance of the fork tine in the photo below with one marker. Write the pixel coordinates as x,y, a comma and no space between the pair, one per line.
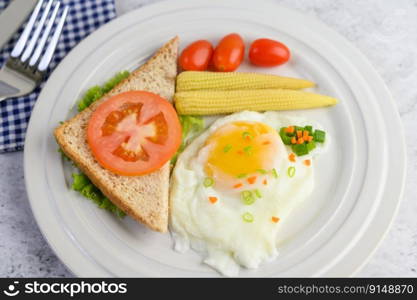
20,45
45,34
29,49
46,59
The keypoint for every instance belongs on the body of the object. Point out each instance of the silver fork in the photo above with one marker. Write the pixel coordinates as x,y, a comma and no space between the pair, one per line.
29,59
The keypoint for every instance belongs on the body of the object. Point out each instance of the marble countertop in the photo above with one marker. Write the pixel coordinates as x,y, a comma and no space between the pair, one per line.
385,31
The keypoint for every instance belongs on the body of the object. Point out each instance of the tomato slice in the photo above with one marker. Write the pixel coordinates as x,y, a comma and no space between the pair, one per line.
134,133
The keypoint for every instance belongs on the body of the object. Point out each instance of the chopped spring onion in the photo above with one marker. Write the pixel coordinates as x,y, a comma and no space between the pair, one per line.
262,171
309,128
298,128
291,171
240,176
258,193
289,130
227,148
284,136
208,181
246,193
247,217
310,146
304,140
247,197
248,150
300,149
319,136
247,135
274,173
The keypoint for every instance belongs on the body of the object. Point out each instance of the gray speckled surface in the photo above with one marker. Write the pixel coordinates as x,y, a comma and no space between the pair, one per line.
385,31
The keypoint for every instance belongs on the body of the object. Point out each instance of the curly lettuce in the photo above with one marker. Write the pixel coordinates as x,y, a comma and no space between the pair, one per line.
191,126
81,183
96,92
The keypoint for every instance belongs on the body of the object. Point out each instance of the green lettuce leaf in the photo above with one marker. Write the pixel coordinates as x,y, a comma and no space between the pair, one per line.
63,155
191,126
82,184
96,92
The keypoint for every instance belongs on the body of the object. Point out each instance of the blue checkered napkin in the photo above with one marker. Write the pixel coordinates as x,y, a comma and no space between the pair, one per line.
83,18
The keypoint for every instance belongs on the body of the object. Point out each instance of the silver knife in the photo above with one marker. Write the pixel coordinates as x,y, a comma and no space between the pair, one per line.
12,17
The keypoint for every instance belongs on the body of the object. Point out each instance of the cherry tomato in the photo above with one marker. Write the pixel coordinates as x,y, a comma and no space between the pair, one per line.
268,53
229,53
134,133
196,56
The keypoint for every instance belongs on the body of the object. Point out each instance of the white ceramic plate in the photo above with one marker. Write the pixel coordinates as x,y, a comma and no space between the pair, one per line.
359,181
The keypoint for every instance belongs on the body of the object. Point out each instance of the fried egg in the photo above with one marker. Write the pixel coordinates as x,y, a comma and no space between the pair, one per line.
233,187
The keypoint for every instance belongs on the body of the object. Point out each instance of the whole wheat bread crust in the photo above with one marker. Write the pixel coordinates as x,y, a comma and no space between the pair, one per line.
149,202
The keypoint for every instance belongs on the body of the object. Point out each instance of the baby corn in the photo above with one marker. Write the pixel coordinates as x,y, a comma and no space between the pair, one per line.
193,80
210,102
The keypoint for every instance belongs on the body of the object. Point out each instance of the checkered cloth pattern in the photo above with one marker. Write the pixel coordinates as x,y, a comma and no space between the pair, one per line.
83,18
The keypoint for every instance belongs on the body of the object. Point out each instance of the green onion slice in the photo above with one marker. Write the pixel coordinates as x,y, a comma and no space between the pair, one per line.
246,134
248,149
262,171
208,181
319,136
274,173
227,148
240,176
247,197
291,171
258,193
247,217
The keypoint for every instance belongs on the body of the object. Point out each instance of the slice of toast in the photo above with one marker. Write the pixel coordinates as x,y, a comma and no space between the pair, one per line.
145,198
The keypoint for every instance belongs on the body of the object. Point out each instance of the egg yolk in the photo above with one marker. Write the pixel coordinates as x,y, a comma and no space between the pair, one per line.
241,148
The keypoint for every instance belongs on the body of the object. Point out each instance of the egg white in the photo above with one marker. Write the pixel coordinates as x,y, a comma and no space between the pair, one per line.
217,230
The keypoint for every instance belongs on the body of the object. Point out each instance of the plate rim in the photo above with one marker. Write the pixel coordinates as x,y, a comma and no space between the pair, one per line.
160,5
